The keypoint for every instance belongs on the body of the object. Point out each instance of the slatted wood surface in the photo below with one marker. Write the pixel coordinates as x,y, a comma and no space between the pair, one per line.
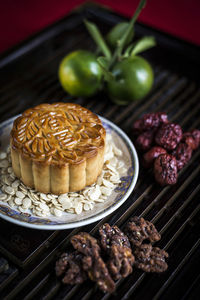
29,77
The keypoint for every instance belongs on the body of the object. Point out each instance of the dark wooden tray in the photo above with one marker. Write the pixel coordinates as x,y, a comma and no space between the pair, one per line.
29,77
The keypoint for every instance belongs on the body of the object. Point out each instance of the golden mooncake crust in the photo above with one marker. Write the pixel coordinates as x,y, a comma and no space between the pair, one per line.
57,148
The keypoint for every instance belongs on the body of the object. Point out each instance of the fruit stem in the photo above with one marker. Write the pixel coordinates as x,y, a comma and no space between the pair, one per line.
122,41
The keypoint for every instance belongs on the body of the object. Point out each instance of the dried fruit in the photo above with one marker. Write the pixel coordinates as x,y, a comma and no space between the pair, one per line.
150,121
138,127
149,157
183,153
168,136
165,169
144,140
192,138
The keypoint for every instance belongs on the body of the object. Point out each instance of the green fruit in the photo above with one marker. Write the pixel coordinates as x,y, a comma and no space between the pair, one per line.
133,79
80,74
117,32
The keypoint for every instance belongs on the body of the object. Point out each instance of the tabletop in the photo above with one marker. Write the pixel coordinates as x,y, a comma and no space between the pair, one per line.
27,256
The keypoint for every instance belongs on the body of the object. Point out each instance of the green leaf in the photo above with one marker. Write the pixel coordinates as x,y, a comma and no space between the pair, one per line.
122,41
97,37
128,50
104,64
116,33
143,44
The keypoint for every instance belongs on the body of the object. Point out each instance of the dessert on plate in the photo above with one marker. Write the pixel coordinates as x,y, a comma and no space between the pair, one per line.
57,148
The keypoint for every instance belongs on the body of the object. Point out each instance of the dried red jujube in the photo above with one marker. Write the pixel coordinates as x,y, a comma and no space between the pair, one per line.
183,153
149,121
145,140
148,157
192,138
168,136
165,169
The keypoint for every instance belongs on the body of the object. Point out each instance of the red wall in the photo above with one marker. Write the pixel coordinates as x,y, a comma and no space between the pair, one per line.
19,19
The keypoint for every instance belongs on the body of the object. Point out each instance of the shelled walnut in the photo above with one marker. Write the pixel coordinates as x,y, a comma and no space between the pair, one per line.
117,247
112,257
137,229
151,259
92,262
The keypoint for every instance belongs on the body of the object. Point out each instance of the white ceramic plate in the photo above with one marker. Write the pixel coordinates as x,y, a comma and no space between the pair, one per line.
101,210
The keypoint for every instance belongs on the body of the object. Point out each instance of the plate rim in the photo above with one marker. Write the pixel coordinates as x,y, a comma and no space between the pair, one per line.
101,215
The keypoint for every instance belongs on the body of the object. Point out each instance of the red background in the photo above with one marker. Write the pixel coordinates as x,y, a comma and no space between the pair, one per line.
22,18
